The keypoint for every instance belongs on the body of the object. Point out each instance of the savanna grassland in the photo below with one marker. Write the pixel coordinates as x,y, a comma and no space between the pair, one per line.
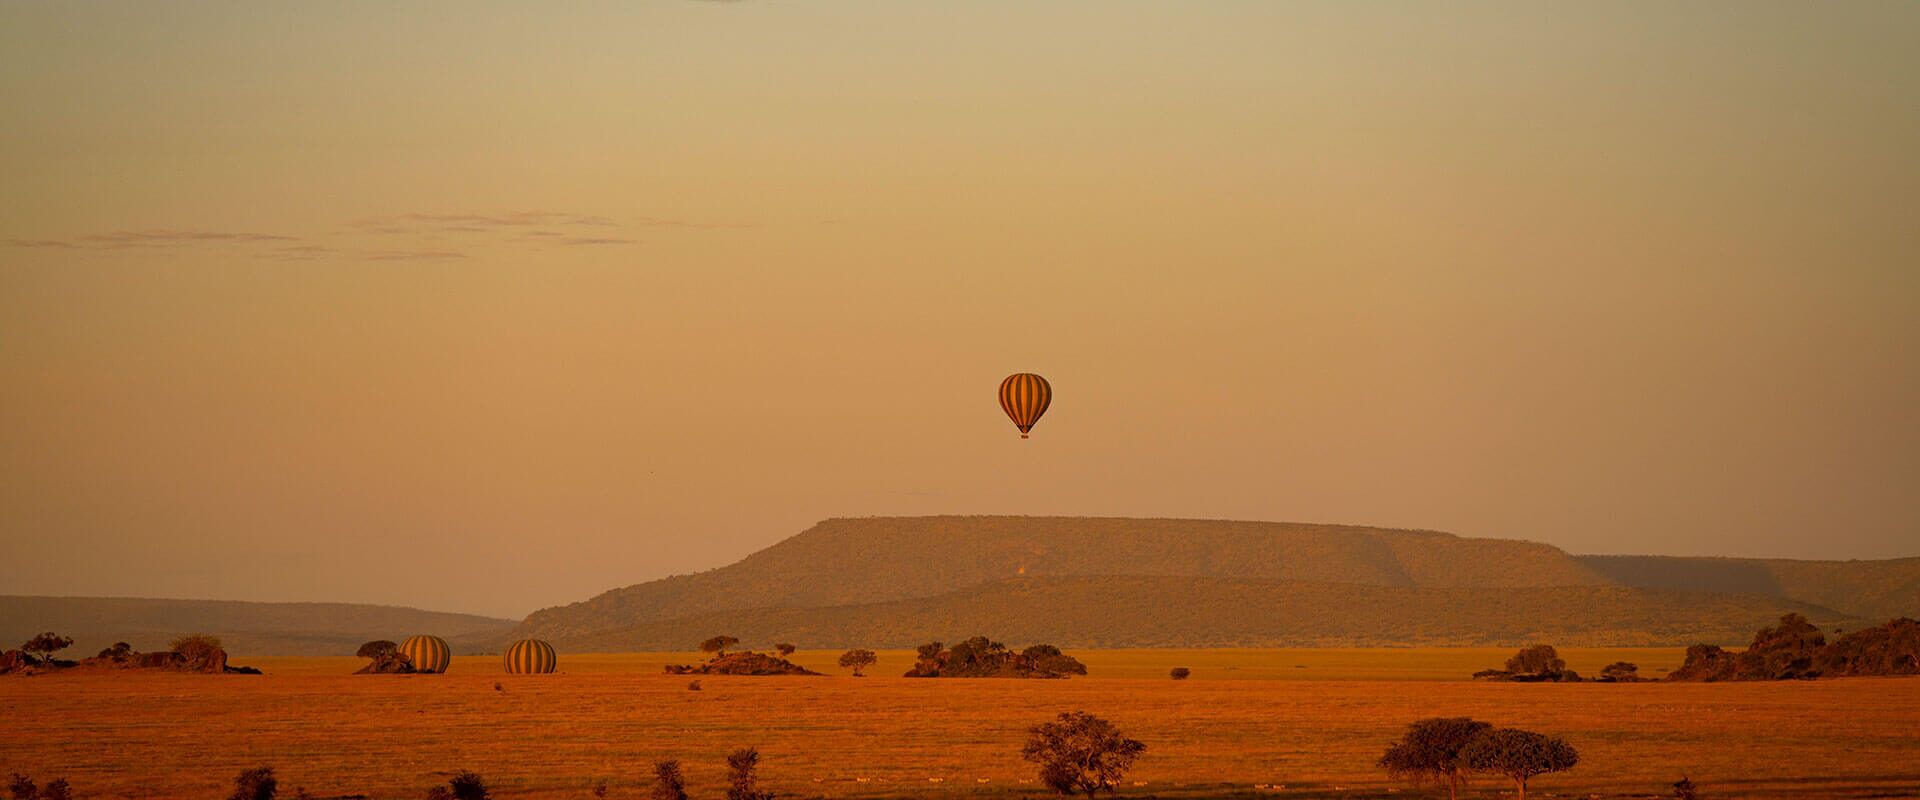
1311,721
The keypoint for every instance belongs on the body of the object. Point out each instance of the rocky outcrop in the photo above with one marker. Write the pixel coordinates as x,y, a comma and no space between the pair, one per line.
1890,649
742,663
13,661
1795,649
1783,652
213,661
385,658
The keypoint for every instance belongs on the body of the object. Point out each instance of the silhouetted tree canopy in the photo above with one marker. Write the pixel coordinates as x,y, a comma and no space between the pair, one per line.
858,660
47,644
784,649
980,657
1519,755
1080,753
1430,749
718,645
1538,659
1620,672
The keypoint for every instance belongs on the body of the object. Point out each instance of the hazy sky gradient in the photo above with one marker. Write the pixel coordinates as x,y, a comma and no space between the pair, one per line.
488,307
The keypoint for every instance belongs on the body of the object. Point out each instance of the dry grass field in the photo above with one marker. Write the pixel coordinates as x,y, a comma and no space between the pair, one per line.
1310,721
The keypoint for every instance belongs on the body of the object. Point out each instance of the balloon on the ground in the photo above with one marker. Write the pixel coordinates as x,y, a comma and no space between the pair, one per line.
428,653
531,657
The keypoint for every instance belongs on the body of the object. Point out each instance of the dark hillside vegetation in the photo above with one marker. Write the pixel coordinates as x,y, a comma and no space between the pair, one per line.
1200,612
1081,582
248,629
889,558
1866,589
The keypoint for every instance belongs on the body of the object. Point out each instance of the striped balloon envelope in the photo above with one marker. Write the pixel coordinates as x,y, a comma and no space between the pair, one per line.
531,657
1025,396
429,653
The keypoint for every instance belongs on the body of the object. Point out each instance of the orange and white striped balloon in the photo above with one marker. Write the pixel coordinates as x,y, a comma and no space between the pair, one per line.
1025,396
429,653
531,657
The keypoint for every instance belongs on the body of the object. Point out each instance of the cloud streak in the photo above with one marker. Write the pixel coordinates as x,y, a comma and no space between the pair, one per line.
478,223
521,228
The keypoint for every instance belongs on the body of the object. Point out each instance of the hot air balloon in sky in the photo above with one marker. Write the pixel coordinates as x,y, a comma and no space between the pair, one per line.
1024,396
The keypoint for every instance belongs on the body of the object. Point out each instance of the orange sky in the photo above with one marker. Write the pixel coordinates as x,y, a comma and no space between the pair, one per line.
487,307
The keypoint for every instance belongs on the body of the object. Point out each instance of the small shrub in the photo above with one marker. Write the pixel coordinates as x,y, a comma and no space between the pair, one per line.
196,647
254,784
468,786
1684,789
23,788
1179,673
742,766
668,783
784,649
464,786
693,686
1080,753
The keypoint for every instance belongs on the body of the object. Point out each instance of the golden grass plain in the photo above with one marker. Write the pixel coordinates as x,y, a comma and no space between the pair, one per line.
1309,721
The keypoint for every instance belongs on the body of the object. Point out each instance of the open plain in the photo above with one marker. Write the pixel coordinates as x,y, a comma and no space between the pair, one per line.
1290,723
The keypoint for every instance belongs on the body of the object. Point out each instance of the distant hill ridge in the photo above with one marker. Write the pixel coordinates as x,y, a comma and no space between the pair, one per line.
888,581
287,629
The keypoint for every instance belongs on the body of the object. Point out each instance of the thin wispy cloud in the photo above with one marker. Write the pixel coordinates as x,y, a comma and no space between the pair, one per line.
411,255
431,229
167,237
478,223
152,237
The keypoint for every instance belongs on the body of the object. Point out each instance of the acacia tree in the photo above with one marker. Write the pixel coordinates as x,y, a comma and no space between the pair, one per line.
1539,659
1430,751
718,645
784,649
1620,672
1080,753
858,660
47,644
1519,755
